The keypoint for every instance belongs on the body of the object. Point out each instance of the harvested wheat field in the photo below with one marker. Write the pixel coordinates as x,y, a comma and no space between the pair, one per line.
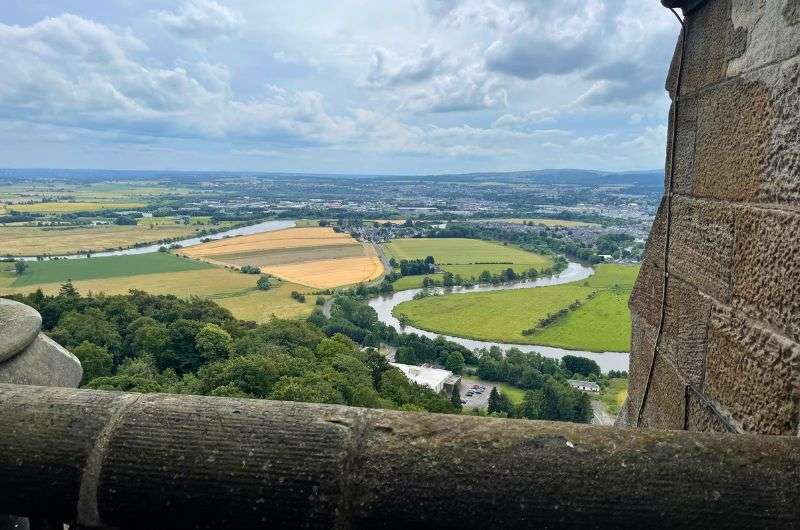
279,239
317,257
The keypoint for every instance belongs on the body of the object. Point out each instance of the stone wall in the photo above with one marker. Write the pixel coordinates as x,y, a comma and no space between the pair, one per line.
729,348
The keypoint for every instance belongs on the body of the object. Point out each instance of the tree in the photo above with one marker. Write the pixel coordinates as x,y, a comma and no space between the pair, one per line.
531,405
455,397
20,266
454,362
95,360
494,399
430,260
448,280
583,409
68,290
580,365
250,269
263,283
213,343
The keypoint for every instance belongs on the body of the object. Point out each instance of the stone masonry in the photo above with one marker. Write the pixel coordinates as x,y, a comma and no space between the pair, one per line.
729,353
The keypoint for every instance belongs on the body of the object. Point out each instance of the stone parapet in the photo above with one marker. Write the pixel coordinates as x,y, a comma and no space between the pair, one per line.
162,461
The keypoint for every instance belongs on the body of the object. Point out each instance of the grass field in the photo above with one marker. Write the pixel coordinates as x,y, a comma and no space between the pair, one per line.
161,273
70,207
316,256
613,396
33,241
467,257
554,222
112,267
600,324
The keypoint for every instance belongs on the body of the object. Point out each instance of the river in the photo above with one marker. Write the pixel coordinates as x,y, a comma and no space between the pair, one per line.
266,226
384,304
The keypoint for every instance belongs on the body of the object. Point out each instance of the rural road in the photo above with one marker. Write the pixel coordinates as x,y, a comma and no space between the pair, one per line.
601,415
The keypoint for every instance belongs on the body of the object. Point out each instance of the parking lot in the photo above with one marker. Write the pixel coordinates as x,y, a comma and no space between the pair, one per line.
479,398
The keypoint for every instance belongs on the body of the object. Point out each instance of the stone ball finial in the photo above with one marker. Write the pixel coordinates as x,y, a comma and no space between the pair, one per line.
28,356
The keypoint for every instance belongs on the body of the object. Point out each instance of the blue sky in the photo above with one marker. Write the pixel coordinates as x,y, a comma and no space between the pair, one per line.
352,86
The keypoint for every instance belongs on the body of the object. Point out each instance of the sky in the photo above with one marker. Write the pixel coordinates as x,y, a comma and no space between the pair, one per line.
351,86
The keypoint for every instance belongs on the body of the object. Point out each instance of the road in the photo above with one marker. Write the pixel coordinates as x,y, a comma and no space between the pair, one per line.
601,415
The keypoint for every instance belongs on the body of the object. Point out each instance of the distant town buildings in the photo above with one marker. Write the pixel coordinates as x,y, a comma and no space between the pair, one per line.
586,386
434,378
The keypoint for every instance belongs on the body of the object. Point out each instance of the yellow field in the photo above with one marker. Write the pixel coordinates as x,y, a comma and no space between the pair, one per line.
328,273
67,207
317,257
33,241
279,239
232,290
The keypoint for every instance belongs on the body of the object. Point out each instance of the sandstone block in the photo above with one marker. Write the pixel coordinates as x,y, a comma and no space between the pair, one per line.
753,372
44,362
708,33
766,270
731,147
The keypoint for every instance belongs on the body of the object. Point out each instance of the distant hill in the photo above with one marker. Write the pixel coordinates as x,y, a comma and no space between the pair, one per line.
644,178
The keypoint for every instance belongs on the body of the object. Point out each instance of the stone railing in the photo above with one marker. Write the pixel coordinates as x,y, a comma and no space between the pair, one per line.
29,357
105,459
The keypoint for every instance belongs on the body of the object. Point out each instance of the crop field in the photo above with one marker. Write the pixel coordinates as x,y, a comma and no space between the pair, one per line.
33,241
161,273
467,257
554,222
599,324
70,207
315,256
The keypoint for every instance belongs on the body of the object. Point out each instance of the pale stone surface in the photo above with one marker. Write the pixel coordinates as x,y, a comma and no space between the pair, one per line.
19,325
43,362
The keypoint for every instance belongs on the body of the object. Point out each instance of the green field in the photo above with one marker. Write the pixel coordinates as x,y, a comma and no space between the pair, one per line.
40,272
466,257
600,324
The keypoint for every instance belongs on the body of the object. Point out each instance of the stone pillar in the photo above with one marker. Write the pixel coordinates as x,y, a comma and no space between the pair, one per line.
28,357
729,349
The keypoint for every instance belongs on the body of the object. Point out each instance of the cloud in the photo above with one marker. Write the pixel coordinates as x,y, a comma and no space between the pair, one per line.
201,20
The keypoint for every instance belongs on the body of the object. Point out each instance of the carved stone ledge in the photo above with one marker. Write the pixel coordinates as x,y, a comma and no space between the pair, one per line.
29,357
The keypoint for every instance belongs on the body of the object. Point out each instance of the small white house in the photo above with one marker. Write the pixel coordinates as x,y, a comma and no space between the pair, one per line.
586,386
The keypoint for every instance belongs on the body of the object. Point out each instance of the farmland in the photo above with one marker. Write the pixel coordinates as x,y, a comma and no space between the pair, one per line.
467,257
161,273
54,240
70,207
601,323
316,256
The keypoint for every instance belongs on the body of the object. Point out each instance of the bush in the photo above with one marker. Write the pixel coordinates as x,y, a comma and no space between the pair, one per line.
263,283
250,269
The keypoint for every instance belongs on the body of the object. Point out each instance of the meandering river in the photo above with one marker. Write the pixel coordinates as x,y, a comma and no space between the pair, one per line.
266,226
384,305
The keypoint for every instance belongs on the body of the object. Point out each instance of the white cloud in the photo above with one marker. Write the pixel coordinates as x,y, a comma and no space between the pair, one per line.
201,20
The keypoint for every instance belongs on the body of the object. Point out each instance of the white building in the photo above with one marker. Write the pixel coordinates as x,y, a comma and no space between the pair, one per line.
433,378
586,386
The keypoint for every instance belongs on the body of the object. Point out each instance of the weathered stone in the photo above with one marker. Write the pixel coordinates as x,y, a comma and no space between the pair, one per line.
685,329
643,339
19,325
753,372
702,416
737,44
178,462
683,176
665,400
701,245
773,33
781,182
766,270
707,36
43,362
732,140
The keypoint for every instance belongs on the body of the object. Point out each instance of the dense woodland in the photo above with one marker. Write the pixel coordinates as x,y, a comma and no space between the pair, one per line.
145,343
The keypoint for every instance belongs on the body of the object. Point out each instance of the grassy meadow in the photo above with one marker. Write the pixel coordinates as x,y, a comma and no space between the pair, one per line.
600,324
467,257
161,273
613,396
